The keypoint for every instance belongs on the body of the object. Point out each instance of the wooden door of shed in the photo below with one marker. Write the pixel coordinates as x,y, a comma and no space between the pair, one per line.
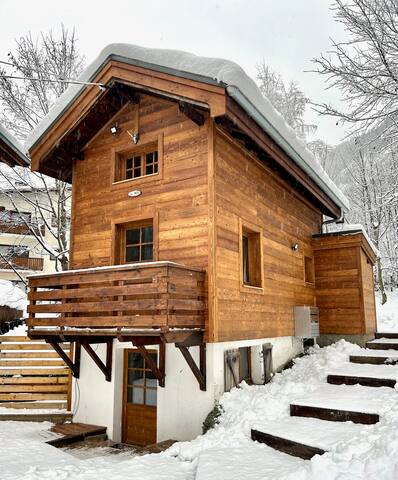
139,400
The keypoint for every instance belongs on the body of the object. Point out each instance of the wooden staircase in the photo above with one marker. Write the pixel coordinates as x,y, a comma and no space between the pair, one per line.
32,378
330,407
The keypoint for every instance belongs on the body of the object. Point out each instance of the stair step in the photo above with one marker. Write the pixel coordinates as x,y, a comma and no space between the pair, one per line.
383,343
303,437
75,432
342,403
285,445
386,335
54,417
365,381
366,375
373,360
334,414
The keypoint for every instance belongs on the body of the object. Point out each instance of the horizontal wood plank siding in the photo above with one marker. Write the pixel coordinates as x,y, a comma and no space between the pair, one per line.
177,198
247,191
344,284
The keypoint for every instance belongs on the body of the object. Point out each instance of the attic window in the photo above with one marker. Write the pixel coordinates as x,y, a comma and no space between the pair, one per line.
139,162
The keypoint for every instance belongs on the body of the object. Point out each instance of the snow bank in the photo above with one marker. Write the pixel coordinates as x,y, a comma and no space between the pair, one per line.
387,314
226,452
12,296
214,70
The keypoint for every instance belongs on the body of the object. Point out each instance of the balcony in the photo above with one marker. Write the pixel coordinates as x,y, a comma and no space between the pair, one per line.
22,263
18,228
158,297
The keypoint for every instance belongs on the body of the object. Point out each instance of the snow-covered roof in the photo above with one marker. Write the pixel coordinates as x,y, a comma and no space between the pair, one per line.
208,70
14,144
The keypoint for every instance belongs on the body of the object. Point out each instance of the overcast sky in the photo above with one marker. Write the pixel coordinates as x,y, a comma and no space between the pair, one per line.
287,34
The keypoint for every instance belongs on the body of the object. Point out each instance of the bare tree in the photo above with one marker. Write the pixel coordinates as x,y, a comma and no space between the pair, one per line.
288,99
36,74
365,68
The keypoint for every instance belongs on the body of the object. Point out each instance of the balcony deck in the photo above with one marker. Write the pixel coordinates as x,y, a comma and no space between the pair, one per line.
153,297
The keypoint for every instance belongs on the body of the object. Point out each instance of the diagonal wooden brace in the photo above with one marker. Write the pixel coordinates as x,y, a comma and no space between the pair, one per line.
73,365
159,372
200,373
106,368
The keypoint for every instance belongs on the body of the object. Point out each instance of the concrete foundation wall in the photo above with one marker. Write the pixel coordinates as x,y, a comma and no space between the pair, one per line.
182,406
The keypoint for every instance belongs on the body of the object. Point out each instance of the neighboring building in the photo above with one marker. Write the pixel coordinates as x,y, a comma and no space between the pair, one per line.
20,251
193,214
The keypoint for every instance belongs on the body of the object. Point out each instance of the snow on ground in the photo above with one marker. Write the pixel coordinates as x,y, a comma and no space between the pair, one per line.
12,296
226,452
387,314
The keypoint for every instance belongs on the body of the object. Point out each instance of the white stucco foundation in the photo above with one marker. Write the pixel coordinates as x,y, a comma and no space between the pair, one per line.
182,406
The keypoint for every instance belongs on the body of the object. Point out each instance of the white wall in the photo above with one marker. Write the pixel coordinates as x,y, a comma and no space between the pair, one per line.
182,406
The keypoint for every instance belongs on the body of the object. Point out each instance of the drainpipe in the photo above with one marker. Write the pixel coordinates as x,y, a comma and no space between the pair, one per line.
333,220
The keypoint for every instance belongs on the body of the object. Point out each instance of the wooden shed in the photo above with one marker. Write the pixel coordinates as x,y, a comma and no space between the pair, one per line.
344,283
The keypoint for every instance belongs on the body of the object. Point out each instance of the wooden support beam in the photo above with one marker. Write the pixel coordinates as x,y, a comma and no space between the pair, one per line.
159,372
192,113
106,368
73,365
199,373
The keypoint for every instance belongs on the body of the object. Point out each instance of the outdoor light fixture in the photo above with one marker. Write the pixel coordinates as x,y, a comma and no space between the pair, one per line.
135,137
295,247
114,129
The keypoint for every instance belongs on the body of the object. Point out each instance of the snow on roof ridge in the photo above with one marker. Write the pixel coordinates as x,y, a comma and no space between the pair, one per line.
15,144
213,70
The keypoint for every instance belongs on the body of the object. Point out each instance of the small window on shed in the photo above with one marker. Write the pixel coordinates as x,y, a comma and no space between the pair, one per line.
309,273
251,257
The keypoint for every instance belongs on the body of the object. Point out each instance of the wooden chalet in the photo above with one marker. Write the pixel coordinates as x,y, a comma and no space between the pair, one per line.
193,214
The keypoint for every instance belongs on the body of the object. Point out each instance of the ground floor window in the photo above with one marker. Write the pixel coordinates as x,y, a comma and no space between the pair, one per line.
135,242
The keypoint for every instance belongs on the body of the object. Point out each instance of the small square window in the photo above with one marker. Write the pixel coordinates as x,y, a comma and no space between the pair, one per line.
135,242
140,162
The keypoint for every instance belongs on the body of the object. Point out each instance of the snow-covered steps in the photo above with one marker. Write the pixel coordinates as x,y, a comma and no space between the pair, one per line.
383,343
376,357
304,437
342,403
366,375
386,335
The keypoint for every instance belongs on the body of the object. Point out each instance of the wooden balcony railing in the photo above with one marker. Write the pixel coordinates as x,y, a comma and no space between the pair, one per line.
18,228
156,295
23,263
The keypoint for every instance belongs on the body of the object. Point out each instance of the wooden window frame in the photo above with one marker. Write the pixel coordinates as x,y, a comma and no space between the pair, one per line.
119,155
311,259
251,229
119,225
